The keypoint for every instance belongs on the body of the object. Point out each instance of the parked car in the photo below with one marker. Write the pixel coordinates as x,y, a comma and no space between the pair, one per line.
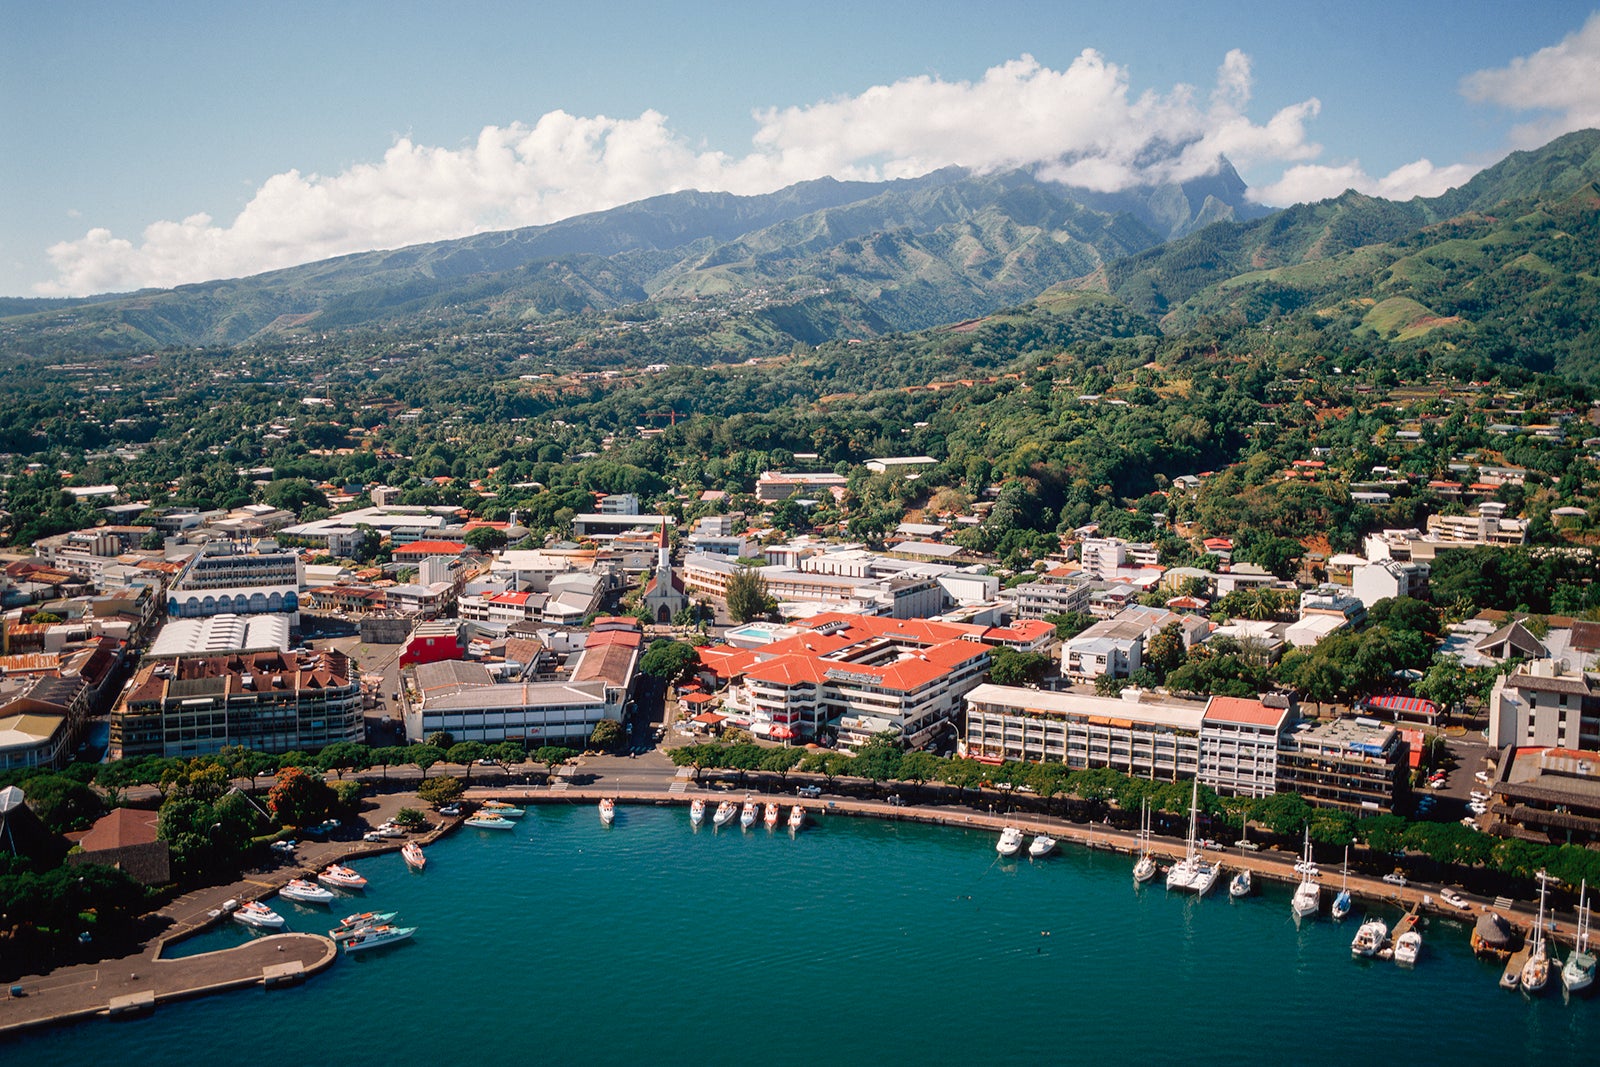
1478,794
1482,776
812,791
1395,878
1454,899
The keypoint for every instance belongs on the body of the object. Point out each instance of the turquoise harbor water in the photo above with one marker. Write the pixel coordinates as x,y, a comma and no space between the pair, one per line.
854,941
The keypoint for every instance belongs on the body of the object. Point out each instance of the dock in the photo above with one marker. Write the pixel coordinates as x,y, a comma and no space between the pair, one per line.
1511,978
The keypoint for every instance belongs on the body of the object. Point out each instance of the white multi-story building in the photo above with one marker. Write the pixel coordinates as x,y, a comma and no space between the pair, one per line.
1541,704
1239,741
1051,596
227,579
1385,578
464,699
860,676
1136,733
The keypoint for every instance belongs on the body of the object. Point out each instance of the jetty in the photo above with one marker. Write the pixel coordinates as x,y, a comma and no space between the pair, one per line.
140,984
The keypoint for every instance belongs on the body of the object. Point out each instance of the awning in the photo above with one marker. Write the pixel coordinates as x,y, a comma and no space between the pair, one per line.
1405,705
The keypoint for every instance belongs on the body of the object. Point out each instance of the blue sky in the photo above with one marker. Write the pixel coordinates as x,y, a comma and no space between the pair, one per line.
163,143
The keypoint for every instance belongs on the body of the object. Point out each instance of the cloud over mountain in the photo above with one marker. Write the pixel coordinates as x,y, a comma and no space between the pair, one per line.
1083,123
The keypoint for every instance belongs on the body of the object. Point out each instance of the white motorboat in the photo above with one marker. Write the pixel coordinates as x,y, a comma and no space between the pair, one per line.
502,809
411,852
351,925
1536,971
1042,845
1241,883
1010,841
797,817
1307,900
484,820
1408,947
305,892
1577,974
255,913
724,814
771,814
697,811
608,810
1369,938
1194,873
747,814
1144,868
377,936
341,877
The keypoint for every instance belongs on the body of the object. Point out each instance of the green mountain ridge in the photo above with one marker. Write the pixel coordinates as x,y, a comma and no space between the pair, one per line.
908,243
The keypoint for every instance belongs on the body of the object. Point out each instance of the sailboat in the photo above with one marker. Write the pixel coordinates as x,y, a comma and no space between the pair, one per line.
1308,894
1341,903
1578,973
1194,872
1145,868
1536,972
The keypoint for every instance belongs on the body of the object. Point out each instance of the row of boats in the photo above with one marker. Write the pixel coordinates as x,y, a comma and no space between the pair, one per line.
1577,973
770,813
1196,873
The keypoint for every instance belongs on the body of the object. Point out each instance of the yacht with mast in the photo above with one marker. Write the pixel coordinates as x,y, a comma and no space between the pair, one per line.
1341,903
1145,868
1194,873
1578,972
1308,894
1536,972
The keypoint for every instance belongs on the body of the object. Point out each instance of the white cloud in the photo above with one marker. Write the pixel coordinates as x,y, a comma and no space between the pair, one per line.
1309,181
1564,79
1082,123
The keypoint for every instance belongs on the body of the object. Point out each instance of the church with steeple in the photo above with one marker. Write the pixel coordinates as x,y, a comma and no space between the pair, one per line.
665,596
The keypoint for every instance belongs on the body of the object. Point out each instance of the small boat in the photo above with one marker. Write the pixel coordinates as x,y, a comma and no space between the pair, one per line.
489,821
358,924
1536,971
1369,938
1307,898
1145,868
341,877
797,817
1341,902
724,814
305,892
1194,873
1241,884
255,913
697,812
747,815
1042,845
608,810
1577,974
411,852
1408,947
377,936
770,816
502,809
1010,841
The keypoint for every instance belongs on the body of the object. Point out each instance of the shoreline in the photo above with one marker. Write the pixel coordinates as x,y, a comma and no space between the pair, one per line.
247,965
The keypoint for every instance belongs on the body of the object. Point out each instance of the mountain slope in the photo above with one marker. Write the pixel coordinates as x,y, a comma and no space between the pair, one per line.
947,245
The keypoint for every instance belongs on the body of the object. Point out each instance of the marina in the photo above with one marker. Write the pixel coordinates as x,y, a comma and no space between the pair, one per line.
1011,935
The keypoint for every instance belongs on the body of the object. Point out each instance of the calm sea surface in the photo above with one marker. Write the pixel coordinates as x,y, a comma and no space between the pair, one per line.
855,941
